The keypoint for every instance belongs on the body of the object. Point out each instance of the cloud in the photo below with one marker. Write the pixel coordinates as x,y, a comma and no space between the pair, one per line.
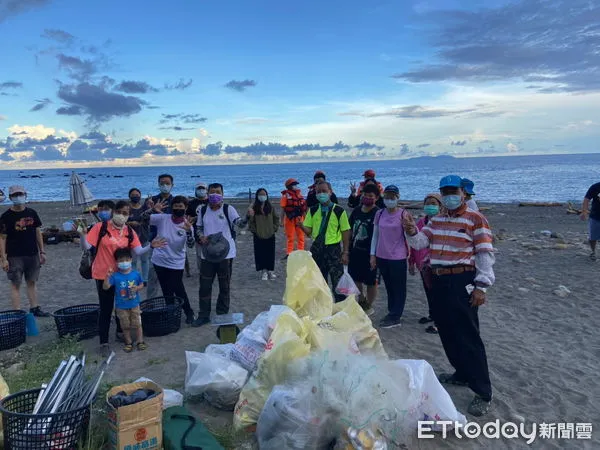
93,135
458,143
185,118
240,86
41,104
135,87
96,103
412,112
367,146
35,131
13,7
423,145
77,68
512,148
10,85
550,43
2,117
59,36
181,85
404,149
176,128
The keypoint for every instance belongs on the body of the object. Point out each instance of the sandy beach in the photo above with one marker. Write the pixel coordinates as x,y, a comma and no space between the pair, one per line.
543,349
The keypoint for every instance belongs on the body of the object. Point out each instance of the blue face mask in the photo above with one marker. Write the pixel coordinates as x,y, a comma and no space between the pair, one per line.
126,265
452,202
165,188
431,210
104,215
323,197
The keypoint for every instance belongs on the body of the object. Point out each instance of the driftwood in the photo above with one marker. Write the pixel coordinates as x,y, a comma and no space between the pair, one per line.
540,204
572,210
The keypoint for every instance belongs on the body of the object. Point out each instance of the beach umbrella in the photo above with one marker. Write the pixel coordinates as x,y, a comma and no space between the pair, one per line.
80,194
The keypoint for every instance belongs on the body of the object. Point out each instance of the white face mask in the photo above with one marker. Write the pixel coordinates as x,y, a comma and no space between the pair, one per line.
119,219
390,203
19,200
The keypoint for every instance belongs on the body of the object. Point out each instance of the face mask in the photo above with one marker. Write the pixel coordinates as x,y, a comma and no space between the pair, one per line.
431,210
20,200
367,201
323,197
104,215
178,212
201,193
125,265
135,199
165,188
215,199
390,203
262,198
452,202
119,219
295,188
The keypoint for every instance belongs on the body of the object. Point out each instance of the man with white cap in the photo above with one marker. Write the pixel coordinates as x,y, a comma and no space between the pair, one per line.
200,199
22,248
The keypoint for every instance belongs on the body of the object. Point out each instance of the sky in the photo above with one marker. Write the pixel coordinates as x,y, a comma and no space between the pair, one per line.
204,82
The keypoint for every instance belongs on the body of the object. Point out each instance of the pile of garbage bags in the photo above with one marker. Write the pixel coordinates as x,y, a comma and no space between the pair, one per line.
306,372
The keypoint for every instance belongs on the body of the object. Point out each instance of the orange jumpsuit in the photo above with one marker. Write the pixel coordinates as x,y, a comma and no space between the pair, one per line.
294,208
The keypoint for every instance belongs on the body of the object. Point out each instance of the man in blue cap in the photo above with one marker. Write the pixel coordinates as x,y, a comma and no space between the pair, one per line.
462,256
468,187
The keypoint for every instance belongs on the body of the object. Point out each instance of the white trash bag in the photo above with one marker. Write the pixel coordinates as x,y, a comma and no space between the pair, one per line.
346,285
222,350
251,342
218,379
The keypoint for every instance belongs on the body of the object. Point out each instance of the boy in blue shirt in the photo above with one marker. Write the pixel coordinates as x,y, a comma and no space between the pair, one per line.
128,283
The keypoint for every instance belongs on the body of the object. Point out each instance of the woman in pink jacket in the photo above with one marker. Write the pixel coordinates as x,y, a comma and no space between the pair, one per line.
419,259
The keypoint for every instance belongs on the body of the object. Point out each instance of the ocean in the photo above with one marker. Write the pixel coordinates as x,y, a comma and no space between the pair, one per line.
497,179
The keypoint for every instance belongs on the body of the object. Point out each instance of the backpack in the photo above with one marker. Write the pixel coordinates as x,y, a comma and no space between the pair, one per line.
226,211
336,208
88,256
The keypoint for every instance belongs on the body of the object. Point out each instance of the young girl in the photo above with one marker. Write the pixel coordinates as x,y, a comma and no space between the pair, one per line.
263,223
419,259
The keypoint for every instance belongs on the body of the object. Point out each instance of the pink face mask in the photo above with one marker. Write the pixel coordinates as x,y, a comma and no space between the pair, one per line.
366,201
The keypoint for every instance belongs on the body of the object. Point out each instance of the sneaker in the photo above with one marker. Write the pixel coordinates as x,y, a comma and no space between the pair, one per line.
479,407
38,312
189,318
272,275
265,276
200,321
424,320
104,350
593,256
451,378
389,322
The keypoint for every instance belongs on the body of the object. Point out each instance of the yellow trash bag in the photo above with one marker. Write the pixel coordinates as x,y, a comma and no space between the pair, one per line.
323,339
287,343
306,291
3,393
348,316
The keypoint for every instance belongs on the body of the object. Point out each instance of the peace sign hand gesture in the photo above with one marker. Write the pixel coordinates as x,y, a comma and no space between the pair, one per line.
353,188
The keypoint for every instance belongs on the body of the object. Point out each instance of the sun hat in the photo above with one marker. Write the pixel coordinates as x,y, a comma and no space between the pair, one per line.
451,181
16,189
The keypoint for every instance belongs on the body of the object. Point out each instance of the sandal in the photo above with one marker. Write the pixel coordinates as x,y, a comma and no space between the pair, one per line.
141,346
447,378
431,329
128,348
424,320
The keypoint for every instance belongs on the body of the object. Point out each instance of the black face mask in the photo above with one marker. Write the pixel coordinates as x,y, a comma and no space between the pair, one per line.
178,212
135,200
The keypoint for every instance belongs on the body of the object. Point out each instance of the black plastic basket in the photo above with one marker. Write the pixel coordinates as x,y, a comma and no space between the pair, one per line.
161,315
79,320
12,329
26,431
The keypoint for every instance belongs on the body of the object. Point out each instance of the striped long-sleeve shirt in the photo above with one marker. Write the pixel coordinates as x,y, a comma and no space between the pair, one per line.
464,238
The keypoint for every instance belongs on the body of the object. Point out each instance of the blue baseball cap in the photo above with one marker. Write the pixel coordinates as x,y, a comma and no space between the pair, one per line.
451,181
468,186
392,189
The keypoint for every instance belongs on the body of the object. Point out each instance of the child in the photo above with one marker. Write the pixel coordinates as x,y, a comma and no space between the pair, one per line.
128,283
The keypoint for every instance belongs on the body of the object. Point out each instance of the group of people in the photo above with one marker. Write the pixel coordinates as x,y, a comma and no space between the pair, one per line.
450,247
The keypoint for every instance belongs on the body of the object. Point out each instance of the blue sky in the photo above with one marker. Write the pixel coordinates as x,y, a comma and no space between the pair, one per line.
183,82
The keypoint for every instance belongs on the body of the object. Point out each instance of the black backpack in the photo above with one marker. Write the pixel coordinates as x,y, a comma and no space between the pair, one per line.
226,211
88,256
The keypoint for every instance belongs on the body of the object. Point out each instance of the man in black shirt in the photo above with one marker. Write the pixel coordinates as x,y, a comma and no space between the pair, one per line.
22,248
359,267
593,195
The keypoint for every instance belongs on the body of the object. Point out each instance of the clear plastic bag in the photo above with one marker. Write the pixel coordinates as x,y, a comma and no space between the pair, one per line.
222,350
346,285
219,380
